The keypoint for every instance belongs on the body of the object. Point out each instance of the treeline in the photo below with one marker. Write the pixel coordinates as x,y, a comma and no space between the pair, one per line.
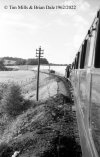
2,67
20,61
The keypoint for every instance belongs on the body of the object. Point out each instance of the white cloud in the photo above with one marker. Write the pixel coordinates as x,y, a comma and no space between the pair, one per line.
10,22
69,2
84,6
60,22
69,12
11,16
77,41
79,21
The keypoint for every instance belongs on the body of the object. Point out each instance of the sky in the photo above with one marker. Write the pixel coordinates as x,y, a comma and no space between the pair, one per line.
59,32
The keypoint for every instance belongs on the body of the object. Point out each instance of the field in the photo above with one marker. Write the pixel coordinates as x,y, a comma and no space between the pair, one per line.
16,76
28,82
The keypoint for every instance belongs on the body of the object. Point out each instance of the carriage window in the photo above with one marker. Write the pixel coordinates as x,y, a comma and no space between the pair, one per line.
73,66
91,46
97,51
77,63
87,53
83,54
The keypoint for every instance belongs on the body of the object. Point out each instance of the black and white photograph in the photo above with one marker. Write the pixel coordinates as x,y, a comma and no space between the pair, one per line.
49,78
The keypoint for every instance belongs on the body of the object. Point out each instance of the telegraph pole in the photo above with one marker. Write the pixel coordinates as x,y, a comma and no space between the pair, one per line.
39,53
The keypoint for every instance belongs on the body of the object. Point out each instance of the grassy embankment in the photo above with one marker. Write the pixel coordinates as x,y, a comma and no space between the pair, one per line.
46,128
42,129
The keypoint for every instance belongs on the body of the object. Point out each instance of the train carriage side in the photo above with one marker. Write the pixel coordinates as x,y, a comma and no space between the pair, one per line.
85,79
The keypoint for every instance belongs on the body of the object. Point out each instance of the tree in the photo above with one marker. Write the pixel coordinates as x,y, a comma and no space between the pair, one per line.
20,62
2,67
12,101
35,61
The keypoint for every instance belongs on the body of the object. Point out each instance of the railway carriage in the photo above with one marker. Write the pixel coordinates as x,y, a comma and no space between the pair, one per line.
85,78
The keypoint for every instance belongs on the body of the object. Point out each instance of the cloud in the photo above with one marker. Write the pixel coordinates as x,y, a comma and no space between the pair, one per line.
69,12
10,22
79,21
77,41
11,16
83,6
60,22
69,2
